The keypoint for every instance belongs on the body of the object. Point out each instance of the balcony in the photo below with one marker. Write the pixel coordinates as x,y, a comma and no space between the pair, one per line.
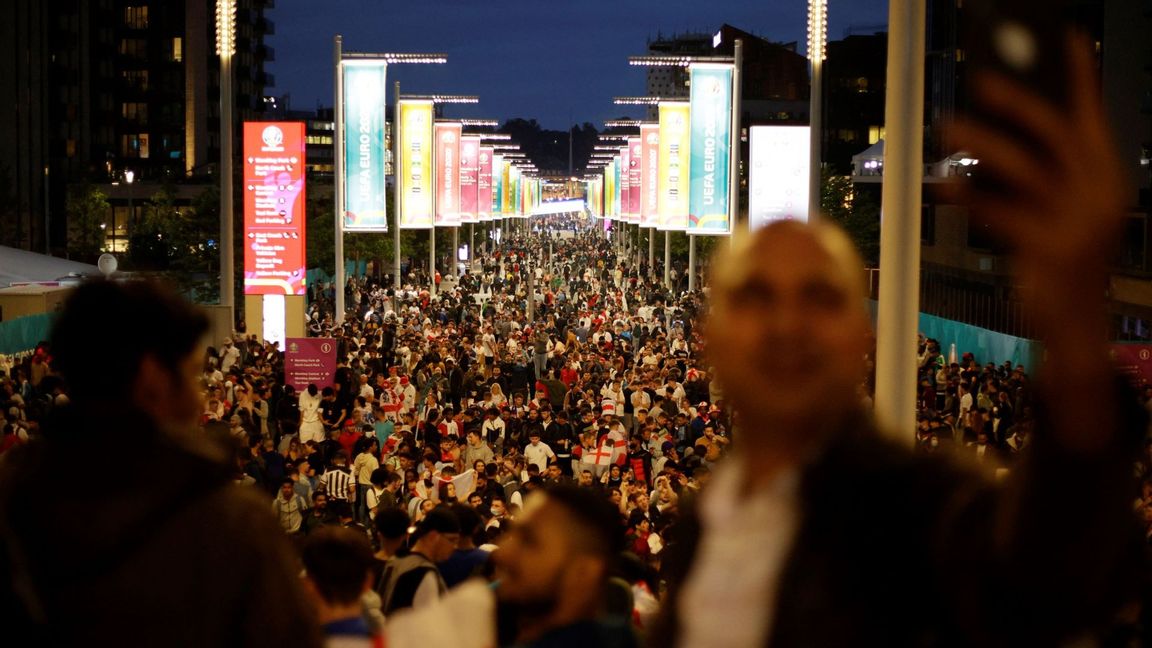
266,25
265,52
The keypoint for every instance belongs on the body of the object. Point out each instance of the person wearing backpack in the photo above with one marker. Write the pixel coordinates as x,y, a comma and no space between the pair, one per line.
290,508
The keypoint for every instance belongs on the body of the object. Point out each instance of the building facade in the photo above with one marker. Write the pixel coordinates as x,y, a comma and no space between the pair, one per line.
104,87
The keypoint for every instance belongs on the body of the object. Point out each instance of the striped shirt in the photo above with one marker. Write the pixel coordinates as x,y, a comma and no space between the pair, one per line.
336,482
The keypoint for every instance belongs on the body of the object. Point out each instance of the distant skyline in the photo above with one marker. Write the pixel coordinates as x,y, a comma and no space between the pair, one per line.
557,61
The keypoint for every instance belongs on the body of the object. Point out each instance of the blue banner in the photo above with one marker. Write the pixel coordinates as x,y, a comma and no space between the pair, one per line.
711,148
364,149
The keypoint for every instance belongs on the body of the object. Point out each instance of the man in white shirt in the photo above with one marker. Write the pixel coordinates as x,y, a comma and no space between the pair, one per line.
229,355
537,452
821,532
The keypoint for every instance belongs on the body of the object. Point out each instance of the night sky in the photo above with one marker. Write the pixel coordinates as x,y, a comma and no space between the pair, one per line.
551,60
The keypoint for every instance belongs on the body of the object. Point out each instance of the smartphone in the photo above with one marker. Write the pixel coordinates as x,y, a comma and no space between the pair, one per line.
1025,40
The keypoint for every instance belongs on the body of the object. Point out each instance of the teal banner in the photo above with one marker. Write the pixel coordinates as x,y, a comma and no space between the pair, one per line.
617,198
364,149
710,116
21,335
497,186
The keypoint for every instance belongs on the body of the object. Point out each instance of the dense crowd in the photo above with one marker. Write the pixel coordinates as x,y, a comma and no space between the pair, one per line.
447,410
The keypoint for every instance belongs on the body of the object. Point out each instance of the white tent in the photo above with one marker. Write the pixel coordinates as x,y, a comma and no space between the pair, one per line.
18,266
870,161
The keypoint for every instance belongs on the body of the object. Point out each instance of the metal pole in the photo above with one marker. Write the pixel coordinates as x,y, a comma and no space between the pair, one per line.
47,203
815,105
651,254
455,250
531,293
396,199
900,230
667,259
472,247
735,220
227,254
691,262
338,158
432,232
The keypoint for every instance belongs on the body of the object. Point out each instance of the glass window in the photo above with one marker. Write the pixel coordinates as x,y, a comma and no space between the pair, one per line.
136,17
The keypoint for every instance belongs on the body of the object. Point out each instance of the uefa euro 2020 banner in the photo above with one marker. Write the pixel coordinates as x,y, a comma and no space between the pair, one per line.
415,164
650,176
448,136
469,179
673,181
711,148
484,185
364,148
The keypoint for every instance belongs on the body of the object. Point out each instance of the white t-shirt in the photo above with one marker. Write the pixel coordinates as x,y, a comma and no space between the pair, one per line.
727,582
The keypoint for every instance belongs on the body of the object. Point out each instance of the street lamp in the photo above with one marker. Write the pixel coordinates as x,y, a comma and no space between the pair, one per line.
225,49
736,61
388,58
129,176
623,123
817,44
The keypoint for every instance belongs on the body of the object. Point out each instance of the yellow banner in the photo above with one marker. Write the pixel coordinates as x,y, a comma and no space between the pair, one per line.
672,202
509,206
415,164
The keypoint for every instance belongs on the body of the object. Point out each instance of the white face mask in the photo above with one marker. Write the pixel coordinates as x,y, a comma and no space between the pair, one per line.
496,512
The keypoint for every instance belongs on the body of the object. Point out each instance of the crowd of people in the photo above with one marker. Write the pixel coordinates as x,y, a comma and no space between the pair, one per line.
447,411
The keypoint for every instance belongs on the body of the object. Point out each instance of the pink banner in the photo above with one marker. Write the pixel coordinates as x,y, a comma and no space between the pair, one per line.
448,174
625,184
634,168
649,175
469,178
484,184
309,361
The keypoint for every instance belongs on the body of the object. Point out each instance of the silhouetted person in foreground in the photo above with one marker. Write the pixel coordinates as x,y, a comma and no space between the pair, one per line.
163,550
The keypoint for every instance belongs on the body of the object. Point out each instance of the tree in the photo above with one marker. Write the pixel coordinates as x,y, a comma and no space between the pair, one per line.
855,211
88,209
194,240
147,249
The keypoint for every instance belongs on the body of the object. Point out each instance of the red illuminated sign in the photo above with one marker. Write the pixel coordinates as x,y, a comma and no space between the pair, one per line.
274,208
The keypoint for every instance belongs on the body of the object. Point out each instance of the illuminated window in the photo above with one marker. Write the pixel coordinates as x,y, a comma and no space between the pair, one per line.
136,17
178,49
875,134
134,145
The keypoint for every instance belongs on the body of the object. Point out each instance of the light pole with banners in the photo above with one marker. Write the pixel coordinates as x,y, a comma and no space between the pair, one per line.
386,58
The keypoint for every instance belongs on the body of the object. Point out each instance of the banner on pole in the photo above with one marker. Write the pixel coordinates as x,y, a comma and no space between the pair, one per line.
365,146
497,186
635,173
711,147
673,181
469,179
484,185
650,175
448,174
415,165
